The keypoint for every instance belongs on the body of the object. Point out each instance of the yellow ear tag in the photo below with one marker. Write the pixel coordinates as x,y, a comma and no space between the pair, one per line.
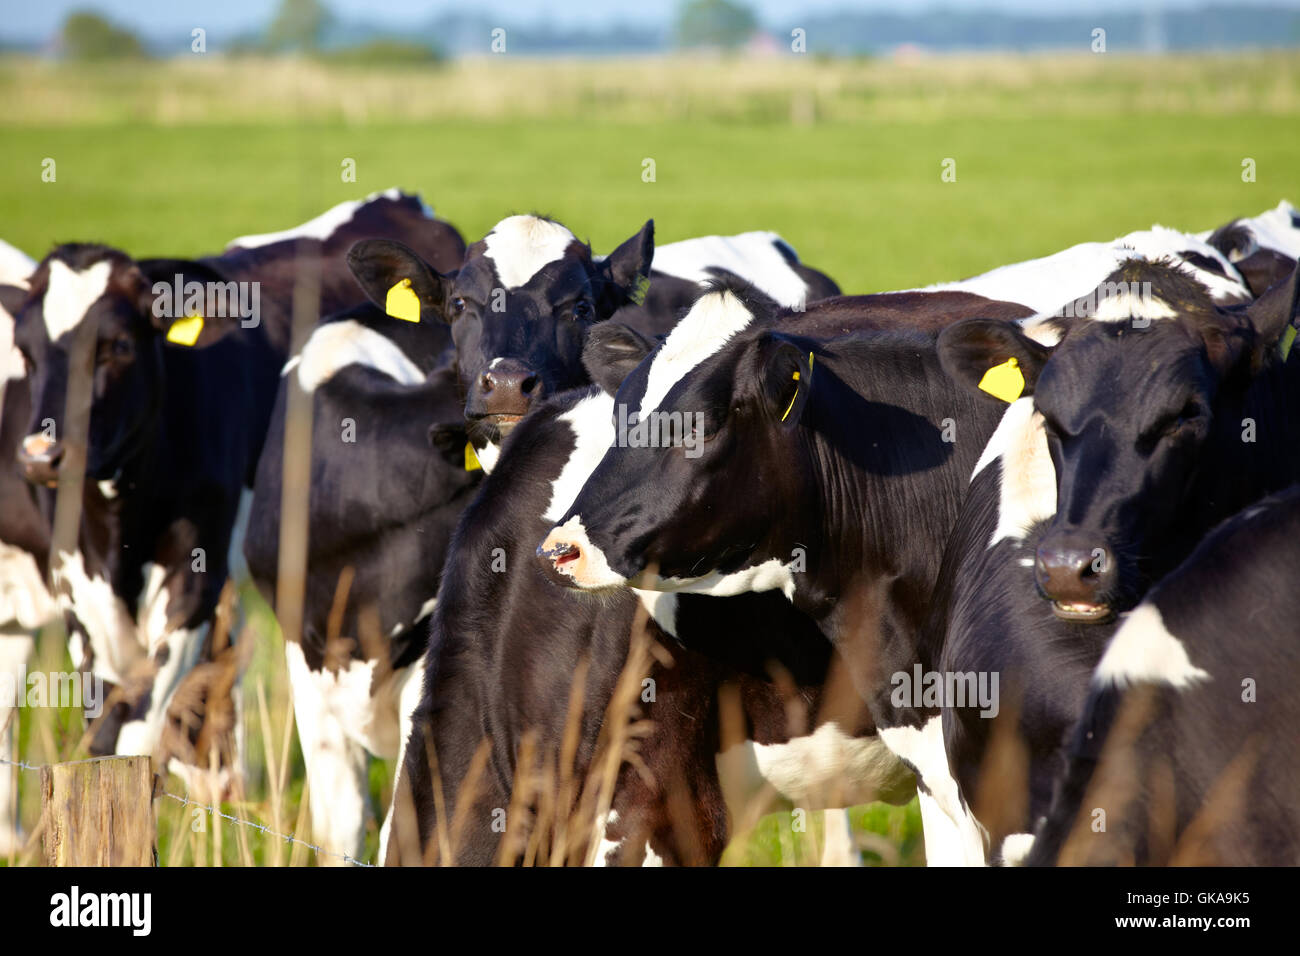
471,459
402,302
639,293
1288,340
1004,381
185,331
795,377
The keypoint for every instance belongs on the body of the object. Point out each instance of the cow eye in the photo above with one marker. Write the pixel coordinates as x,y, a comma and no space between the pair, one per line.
457,306
582,310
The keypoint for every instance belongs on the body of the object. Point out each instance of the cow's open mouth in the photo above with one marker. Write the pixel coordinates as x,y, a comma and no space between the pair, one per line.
1080,612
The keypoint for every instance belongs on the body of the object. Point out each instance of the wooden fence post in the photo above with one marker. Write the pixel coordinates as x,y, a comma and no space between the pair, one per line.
98,812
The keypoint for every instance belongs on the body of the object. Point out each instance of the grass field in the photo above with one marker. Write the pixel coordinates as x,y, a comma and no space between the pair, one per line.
843,158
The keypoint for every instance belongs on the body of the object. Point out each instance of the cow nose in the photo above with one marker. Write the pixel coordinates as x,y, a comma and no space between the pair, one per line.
39,458
1074,574
563,560
508,388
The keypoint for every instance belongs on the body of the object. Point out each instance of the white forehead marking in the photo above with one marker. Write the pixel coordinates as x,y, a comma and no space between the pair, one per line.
520,245
712,320
336,345
1144,650
753,256
70,295
323,226
592,421
1127,305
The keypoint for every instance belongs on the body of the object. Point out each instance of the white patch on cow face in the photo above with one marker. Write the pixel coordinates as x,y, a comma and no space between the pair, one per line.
24,599
1126,306
592,424
336,345
519,246
69,295
590,569
828,769
322,227
183,649
1143,651
753,256
703,331
953,837
1028,481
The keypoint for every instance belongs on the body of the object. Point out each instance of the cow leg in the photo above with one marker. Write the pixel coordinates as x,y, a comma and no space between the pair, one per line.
15,647
336,764
837,847
408,697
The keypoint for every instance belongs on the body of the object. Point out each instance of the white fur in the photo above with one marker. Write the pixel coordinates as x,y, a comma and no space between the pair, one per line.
1143,651
751,255
703,331
591,421
596,572
661,606
334,346
1127,306
953,837
1028,481
1272,229
828,769
24,599
409,688
69,295
16,266
15,648
769,575
322,227
106,620
519,246
488,456
1016,847
1046,284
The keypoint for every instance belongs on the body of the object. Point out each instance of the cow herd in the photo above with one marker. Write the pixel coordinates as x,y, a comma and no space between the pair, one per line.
612,553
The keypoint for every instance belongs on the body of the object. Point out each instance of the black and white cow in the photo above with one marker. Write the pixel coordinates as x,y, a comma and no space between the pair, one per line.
183,380
506,645
1138,428
529,292
828,470
1264,248
25,602
1186,750
375,513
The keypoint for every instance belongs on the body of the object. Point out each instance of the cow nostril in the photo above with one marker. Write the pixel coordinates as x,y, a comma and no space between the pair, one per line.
565,554
485,381
528,384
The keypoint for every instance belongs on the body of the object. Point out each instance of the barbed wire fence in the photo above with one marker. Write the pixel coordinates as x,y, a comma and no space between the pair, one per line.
237,821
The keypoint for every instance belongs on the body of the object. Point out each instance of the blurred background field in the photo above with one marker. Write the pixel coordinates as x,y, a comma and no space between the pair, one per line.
841,155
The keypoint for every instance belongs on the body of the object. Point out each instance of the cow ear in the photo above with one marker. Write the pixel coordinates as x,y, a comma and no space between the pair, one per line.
787,369
1263,268
397,280
627,271
176,296
992,357
612,351
1272,314
450,441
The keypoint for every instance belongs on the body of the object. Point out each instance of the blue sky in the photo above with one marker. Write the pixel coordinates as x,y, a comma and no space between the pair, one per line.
37,19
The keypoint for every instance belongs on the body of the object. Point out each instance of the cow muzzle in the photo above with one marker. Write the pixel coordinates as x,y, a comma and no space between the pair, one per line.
1074,577
568,558
39,459
503,394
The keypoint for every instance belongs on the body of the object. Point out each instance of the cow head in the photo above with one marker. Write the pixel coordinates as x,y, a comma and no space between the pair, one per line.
681,487
1128,401
520,308
93,312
